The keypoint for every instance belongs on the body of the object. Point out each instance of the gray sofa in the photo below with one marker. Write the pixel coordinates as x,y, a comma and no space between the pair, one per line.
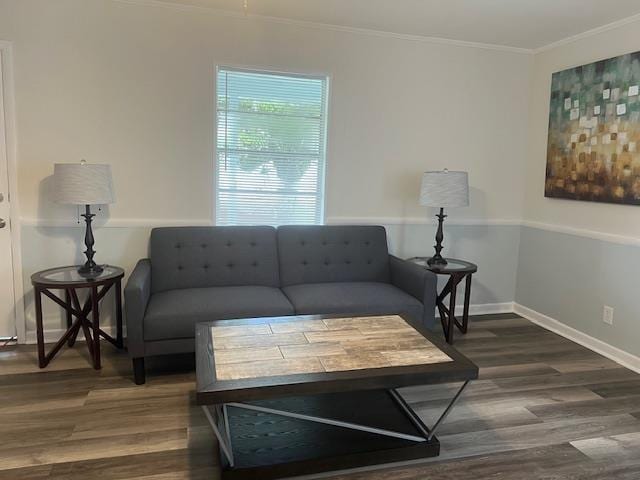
196,274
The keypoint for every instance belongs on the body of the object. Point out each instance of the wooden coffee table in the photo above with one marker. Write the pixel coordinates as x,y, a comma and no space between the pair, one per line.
290,396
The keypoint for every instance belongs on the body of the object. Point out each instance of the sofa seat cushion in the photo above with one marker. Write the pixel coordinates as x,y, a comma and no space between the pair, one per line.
352,298
174,313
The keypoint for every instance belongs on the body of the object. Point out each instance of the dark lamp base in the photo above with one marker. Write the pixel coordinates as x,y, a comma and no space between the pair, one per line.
90,270
90,267
436,260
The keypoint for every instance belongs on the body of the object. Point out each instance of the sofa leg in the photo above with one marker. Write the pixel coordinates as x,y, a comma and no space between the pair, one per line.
138,371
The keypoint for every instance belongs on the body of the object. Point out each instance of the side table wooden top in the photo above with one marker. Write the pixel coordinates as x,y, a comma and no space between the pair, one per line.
453,265
68,276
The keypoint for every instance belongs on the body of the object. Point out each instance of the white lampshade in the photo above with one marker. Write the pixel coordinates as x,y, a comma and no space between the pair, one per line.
444,189
83,184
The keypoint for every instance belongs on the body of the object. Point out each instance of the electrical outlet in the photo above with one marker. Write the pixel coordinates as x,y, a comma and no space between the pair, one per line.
607,315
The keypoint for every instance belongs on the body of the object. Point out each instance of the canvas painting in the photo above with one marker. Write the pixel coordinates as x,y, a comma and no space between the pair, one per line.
594,132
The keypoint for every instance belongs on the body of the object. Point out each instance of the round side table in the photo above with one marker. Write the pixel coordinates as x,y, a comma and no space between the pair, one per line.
70,281
456,270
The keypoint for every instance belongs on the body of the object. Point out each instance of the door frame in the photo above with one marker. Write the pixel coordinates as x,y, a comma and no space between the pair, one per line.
6,59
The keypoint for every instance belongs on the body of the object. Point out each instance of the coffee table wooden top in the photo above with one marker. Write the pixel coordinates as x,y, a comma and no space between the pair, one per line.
257,358
323,345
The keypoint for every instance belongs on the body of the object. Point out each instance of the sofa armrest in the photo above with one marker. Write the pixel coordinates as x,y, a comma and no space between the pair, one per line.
136,298
417,282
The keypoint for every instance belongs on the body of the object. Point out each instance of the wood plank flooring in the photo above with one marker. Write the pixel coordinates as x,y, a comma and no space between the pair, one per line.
543,408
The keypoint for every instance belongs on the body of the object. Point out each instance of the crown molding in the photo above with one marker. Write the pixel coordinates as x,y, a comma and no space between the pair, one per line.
326,26
588,33
382,33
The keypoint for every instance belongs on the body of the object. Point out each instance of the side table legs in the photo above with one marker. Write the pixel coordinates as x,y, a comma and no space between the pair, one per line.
95,317
39,328
67,297
448,314
467,298
87,317
452,311
119,340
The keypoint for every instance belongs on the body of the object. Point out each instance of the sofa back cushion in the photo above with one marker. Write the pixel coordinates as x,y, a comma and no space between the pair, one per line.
332,253
194,257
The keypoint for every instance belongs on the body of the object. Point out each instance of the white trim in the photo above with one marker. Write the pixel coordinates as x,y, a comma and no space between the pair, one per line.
426,220
177,222
384,33
328,89
118,223
171,222
325,78
326,26
581,232
53,335
485,309
589,33
6,57
621,357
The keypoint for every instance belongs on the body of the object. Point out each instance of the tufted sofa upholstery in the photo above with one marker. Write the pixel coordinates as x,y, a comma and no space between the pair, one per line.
196,274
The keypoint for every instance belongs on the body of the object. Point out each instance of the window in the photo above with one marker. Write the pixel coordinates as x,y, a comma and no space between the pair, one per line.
270,148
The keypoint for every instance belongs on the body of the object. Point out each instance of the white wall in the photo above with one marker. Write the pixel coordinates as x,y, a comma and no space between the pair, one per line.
493,247
133,86
575,257
598,217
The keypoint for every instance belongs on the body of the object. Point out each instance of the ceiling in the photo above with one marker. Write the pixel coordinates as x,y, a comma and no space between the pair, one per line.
527,24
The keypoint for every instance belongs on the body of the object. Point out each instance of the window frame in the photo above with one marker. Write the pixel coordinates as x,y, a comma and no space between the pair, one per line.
323,166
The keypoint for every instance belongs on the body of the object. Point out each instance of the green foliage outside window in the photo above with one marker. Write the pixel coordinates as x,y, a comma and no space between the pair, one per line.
283,128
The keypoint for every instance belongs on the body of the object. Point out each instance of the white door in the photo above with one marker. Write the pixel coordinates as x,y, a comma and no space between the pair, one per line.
7,300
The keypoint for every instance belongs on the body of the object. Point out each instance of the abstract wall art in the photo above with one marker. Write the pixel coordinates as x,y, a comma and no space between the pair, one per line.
593,148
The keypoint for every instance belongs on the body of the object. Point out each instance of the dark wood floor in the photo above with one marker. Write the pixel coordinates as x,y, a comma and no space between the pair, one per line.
544,408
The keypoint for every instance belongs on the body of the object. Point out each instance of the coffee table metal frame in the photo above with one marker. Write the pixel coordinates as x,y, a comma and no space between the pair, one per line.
216,397
222,431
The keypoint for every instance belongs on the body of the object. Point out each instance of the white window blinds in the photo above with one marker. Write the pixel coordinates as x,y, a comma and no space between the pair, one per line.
270,148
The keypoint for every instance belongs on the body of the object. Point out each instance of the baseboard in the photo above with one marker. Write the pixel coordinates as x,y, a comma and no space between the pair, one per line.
487,308
484,309
53,335
621,357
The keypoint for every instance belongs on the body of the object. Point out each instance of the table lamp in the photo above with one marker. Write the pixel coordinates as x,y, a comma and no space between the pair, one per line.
84,184
443,189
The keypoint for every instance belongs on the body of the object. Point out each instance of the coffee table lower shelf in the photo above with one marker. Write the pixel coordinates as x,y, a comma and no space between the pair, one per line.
288,437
